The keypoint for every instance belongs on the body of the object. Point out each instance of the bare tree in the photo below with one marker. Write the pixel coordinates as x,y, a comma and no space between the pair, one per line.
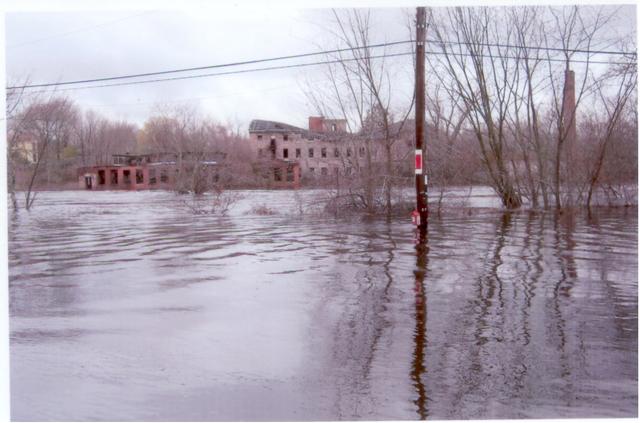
360,89
449,161
208,155
623,81
476,70
45,125
16,121
572,29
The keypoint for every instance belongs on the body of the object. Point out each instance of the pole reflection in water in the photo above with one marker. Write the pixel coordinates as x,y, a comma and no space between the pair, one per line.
419,336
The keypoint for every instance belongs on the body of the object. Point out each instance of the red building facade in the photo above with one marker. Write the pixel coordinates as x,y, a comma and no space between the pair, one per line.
128,172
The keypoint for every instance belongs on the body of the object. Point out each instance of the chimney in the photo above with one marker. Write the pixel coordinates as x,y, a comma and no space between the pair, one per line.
316,123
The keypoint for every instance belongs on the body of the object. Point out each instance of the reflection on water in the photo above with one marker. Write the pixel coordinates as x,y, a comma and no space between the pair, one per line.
125,306
419,337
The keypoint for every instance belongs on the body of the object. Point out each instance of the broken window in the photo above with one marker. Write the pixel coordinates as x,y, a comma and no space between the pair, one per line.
333,127
285,153
361,150
101,178
285,137
139,176
126,176
323,152
348,152
152,176
311,152
336,152
277,174
312,169
323,170
289,174
259,137
164,175
298,154
114,177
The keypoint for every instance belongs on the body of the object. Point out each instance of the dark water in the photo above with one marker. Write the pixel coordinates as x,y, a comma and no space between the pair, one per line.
125,306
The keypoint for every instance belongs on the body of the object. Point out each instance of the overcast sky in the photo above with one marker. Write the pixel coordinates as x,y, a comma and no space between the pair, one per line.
61,46
73,44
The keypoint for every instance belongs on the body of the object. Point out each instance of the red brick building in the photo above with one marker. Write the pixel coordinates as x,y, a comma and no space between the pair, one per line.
134,172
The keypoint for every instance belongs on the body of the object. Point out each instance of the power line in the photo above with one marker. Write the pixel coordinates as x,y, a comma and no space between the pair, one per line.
299,65
525,47
293,56
246,62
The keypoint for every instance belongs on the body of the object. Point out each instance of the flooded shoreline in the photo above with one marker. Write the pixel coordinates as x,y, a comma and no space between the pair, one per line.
124,306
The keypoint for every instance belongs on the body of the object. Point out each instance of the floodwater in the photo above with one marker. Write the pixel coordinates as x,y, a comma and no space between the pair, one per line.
125,306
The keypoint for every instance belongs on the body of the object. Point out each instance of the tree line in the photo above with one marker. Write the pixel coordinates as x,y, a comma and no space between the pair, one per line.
522,91
49,138
498,113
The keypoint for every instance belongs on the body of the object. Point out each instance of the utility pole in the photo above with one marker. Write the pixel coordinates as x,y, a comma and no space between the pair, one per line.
421,176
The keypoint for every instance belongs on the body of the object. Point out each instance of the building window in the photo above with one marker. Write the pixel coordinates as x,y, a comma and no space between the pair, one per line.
285,137
152,177
361,150
348,152
260,152
272,147
164,175
333,127
277,174
285,153
348,171
259,137
126,176
139,176
114,177
311,152
336,152
323,171
298,154
101,177
289,174
323,152
312,170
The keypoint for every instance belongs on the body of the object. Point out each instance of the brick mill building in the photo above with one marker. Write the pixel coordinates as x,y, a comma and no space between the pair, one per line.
286,155
323,152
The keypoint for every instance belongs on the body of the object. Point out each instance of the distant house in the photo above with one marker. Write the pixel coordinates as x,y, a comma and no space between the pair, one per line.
140,171
26,150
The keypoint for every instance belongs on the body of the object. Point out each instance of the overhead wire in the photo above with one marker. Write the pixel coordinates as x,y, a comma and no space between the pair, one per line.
311,54
325,62
198,68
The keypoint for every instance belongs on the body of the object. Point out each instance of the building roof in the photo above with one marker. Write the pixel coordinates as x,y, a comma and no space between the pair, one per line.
271,126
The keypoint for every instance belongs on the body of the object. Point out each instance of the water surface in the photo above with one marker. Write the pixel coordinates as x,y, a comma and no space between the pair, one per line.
126,306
